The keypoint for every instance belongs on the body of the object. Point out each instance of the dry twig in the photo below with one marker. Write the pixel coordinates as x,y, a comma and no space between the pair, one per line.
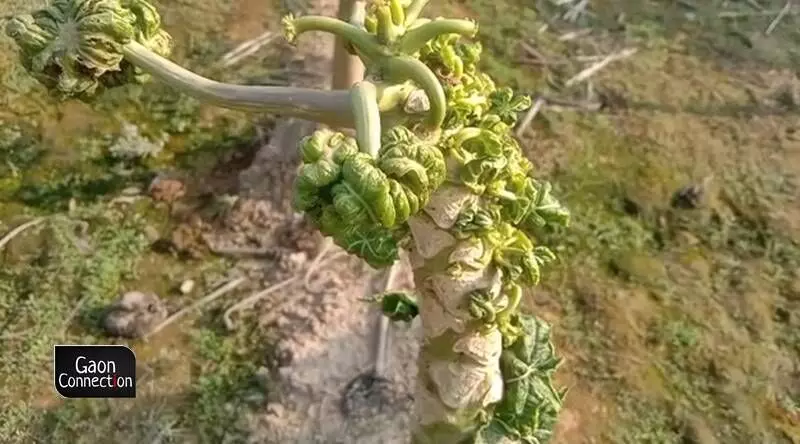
533,52
594,69
327,244
246,49
529,116
252,299
779,17
17,231
574,35
742,14
230,286
71,316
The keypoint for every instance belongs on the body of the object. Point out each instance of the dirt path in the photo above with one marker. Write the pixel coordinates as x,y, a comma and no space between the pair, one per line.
320,388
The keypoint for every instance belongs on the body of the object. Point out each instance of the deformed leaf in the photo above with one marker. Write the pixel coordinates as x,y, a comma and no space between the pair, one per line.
530,406
75,47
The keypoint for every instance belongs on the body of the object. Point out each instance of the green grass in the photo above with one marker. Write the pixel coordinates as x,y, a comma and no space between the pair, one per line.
195,379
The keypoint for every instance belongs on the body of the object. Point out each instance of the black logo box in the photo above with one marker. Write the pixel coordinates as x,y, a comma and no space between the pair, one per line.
94,371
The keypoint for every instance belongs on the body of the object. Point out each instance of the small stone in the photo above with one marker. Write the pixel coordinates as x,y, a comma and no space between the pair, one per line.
297,259
262,377
793,292
275,409
687,239
131,191
166,190
134,315
187,286
151,233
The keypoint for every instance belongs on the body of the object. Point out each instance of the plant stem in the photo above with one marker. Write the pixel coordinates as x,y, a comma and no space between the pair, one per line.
367,117
402,68
416,38
459,360
328,107
363,41
413,10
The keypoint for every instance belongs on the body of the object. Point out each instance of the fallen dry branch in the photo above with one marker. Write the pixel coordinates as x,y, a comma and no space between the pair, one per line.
246,49
529,116
534,53
780,17
594,69
17,231
252,299
574,35
327,244
71,316
230,286
743,14
556,105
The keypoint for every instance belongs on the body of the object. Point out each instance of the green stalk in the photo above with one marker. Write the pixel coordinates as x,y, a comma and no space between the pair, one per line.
402,68
328,107
367,117
387,31
394,97
413,11
364,42
398,14
413,40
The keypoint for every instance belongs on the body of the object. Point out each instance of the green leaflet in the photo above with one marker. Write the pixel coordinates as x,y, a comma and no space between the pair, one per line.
507,105
75,47
361,201
530,405
399,306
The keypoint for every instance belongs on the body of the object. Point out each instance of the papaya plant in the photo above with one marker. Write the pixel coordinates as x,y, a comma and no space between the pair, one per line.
433,169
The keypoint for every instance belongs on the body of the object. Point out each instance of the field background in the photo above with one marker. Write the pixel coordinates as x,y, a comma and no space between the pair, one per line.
679,318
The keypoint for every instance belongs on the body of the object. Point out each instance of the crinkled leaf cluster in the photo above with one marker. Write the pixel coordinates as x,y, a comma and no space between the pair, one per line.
75,47
530,405
503,224
361,201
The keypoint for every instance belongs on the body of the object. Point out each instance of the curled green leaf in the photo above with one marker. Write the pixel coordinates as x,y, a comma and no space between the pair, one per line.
507,105
74,47
360,200
530,405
